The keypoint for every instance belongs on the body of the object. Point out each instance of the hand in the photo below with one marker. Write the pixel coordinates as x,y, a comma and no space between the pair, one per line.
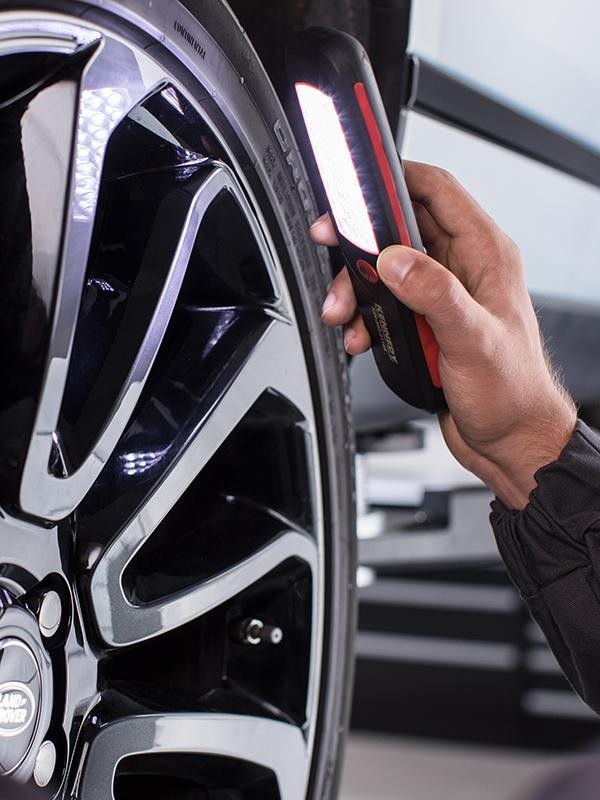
508,414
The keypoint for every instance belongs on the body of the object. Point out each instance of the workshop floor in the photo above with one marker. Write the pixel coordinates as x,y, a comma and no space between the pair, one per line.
390,768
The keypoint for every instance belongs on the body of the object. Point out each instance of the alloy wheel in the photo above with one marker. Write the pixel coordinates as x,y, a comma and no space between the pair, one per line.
162,586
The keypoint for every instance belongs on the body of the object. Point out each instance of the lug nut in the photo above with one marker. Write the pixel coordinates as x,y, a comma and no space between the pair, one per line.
50,613
255,631
45,763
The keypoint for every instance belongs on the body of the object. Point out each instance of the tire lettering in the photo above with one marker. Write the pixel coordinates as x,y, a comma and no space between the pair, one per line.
294,164
182,31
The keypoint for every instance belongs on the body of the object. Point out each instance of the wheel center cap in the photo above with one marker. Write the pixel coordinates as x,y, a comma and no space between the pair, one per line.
20,696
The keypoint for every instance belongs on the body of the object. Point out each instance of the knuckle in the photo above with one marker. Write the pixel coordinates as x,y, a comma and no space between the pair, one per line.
511,249
444,176
431,178
502,255
487,345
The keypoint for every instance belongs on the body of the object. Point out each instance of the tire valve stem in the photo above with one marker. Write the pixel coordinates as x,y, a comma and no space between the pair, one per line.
254,631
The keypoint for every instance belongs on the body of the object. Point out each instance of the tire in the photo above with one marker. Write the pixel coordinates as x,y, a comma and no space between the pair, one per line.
271,23
161,667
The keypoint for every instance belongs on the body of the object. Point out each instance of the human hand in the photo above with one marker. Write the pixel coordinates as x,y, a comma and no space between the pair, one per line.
508,414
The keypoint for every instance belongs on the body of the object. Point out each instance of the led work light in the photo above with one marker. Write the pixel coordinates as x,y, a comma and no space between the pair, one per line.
368,200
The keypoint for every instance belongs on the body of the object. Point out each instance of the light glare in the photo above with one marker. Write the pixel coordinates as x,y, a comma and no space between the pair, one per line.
336,167
99,112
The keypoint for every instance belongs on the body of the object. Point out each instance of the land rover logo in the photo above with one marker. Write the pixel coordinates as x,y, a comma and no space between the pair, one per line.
17,708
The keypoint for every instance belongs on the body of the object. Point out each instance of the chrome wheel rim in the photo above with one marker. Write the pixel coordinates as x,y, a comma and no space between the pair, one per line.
98,505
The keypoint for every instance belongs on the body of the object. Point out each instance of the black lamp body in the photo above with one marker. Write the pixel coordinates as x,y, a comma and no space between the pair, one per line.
404,347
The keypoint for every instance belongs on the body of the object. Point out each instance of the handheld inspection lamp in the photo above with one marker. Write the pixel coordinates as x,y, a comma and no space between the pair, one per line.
368,200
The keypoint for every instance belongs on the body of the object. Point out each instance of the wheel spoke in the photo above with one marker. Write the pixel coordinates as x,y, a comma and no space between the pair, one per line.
276,745
110,87
119,621
122,623
54,497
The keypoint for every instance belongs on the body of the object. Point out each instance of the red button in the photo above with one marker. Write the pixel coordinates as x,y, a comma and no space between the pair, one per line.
368,272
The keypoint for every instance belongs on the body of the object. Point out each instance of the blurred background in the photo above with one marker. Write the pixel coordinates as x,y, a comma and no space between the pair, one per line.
456,693
504,95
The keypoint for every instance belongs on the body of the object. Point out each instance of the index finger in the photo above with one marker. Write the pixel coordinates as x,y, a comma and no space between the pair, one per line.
449,203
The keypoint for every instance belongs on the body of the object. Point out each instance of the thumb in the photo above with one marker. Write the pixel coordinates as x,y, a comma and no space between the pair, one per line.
430,289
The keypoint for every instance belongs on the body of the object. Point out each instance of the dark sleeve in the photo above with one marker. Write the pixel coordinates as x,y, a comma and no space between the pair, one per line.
552,552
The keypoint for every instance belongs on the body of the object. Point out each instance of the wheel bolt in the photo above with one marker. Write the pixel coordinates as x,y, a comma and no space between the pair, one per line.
45,763
255,631
50,613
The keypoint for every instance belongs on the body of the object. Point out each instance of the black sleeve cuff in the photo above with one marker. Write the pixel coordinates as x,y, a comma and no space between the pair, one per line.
555,533
552,552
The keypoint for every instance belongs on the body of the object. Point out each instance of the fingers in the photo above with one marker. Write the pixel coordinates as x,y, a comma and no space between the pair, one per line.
340,308
450,205
356,336
435,240
430,289
322,231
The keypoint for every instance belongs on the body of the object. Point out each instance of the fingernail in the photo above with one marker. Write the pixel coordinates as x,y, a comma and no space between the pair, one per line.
328,303
318,221
394,263
348,337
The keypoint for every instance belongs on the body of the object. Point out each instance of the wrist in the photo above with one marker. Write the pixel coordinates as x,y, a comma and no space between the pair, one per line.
528,450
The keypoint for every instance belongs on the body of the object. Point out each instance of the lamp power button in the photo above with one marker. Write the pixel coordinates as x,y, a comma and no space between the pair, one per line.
367,270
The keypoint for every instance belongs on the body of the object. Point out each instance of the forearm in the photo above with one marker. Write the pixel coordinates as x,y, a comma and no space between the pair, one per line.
552,552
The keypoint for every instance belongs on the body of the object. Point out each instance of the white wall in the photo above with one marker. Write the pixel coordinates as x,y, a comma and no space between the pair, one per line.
553,217
541,56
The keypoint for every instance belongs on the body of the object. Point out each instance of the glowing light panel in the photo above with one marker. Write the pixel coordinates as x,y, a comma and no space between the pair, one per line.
336,167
